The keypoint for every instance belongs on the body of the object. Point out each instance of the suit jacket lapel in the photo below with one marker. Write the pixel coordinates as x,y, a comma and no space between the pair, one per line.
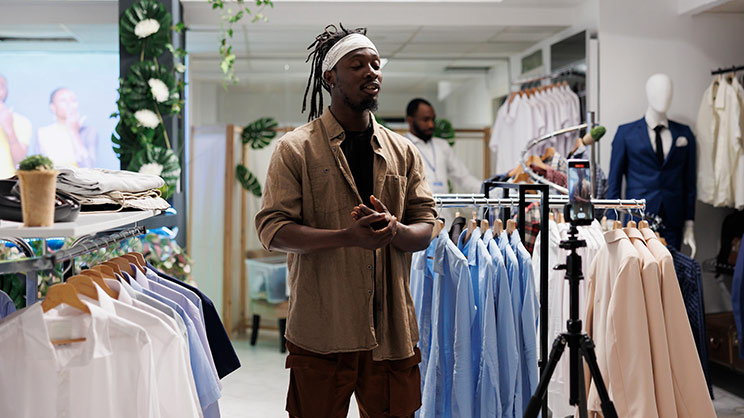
675,134
645,140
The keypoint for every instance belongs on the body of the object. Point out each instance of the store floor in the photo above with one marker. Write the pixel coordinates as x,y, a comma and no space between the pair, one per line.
259,388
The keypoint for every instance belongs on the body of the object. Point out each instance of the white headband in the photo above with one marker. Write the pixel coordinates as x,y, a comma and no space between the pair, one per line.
344,46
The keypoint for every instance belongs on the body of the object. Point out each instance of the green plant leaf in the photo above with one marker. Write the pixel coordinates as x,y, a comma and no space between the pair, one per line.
248,180
36,162
135,93
166,158
259,133
443,129
153,45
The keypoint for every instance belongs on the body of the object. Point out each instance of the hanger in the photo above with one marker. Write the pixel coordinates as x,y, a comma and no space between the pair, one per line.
536,161
549,153
551,216
643,223
97,278
471,227
603,222
134,260
631,224
123,264
115,267
511,226
561,218
617,224
457,214
84,285
438,227
106,271
63,293
484,225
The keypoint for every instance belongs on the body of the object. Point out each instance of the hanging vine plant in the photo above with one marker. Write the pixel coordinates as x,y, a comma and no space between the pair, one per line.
145,29
148,93
228,19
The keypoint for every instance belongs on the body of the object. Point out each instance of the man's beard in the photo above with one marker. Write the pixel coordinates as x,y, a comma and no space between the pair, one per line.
366,104
421,135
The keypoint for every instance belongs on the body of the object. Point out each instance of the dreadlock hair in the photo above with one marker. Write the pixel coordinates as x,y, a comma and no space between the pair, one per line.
320,47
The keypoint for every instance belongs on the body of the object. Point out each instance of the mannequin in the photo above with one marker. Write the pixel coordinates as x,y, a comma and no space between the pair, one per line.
665,179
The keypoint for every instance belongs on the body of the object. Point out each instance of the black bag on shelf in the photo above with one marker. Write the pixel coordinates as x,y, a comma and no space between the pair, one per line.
66,208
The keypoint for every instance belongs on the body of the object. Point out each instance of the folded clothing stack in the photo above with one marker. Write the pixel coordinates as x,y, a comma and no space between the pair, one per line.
103,190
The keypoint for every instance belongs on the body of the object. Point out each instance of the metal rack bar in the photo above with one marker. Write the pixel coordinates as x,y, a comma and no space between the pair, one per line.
45,262
732,69
554,201
547,201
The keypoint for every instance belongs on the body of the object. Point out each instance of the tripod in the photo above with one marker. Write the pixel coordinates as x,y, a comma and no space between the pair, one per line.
578,343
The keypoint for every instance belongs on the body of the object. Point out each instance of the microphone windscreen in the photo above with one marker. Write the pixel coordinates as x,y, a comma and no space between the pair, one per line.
594,135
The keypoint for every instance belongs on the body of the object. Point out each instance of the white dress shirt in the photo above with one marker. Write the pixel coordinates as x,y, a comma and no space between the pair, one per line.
176,388
110,374
514,127
653,120
719,136
441,164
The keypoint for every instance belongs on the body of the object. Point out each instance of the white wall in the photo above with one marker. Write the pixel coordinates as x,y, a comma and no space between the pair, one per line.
240,104
639,38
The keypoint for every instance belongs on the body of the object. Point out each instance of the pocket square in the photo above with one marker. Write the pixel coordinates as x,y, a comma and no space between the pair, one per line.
681,142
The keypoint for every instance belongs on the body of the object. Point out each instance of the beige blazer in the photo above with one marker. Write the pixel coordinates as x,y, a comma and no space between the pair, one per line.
651,274
618,323
690,389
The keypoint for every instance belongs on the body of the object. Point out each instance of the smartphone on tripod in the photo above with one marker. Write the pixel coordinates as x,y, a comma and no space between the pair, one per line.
580,211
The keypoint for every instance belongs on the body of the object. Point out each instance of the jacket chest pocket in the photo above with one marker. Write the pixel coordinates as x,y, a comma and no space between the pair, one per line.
394,194
330,190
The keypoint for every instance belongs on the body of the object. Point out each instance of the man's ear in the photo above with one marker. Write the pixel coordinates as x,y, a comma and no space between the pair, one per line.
330,77
409,119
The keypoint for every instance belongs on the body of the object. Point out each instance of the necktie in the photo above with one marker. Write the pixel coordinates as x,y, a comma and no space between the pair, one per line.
659,147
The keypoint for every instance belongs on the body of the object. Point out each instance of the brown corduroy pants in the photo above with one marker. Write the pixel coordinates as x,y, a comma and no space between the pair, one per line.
320,385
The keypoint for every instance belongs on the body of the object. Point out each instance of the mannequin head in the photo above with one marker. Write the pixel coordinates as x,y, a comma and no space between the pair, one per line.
659,93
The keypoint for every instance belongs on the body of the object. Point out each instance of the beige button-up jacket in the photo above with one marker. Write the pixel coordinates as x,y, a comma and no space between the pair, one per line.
651,276
618,323
333,293
690,389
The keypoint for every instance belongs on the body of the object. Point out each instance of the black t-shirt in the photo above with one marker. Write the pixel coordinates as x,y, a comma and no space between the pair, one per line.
357,148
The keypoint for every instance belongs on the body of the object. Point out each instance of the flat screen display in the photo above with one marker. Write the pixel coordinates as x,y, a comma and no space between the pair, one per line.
59,105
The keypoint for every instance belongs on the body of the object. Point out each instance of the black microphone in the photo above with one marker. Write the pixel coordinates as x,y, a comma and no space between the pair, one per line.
593,135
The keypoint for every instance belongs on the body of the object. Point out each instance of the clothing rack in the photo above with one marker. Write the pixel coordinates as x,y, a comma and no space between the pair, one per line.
731,69
555,74
521,201
31,266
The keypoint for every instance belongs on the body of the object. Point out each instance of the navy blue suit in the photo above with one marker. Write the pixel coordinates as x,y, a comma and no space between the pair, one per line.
669,188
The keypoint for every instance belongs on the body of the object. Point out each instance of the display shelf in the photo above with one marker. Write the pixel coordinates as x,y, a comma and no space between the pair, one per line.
86,224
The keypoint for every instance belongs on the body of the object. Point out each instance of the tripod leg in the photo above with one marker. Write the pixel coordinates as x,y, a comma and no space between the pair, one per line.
587,348
533,408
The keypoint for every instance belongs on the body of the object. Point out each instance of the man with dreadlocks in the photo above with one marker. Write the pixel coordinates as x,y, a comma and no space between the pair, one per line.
348,200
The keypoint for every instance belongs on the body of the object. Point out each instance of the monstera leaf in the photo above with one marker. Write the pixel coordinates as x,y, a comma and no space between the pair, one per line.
128,139
443,129
144,81
259,133
248,180
152,36
160,161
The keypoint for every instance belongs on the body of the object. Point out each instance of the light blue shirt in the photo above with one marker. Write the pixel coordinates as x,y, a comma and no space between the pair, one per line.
448,389
422,284
487,395
470,250
508,355
529,320
512,271
207,387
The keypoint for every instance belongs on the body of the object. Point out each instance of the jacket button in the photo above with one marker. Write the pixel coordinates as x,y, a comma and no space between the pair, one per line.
369,291
369,267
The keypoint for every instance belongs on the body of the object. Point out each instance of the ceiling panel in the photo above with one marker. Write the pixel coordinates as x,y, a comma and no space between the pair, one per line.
732,6
438,34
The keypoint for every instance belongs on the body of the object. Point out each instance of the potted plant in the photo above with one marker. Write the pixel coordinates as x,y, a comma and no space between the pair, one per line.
38,182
